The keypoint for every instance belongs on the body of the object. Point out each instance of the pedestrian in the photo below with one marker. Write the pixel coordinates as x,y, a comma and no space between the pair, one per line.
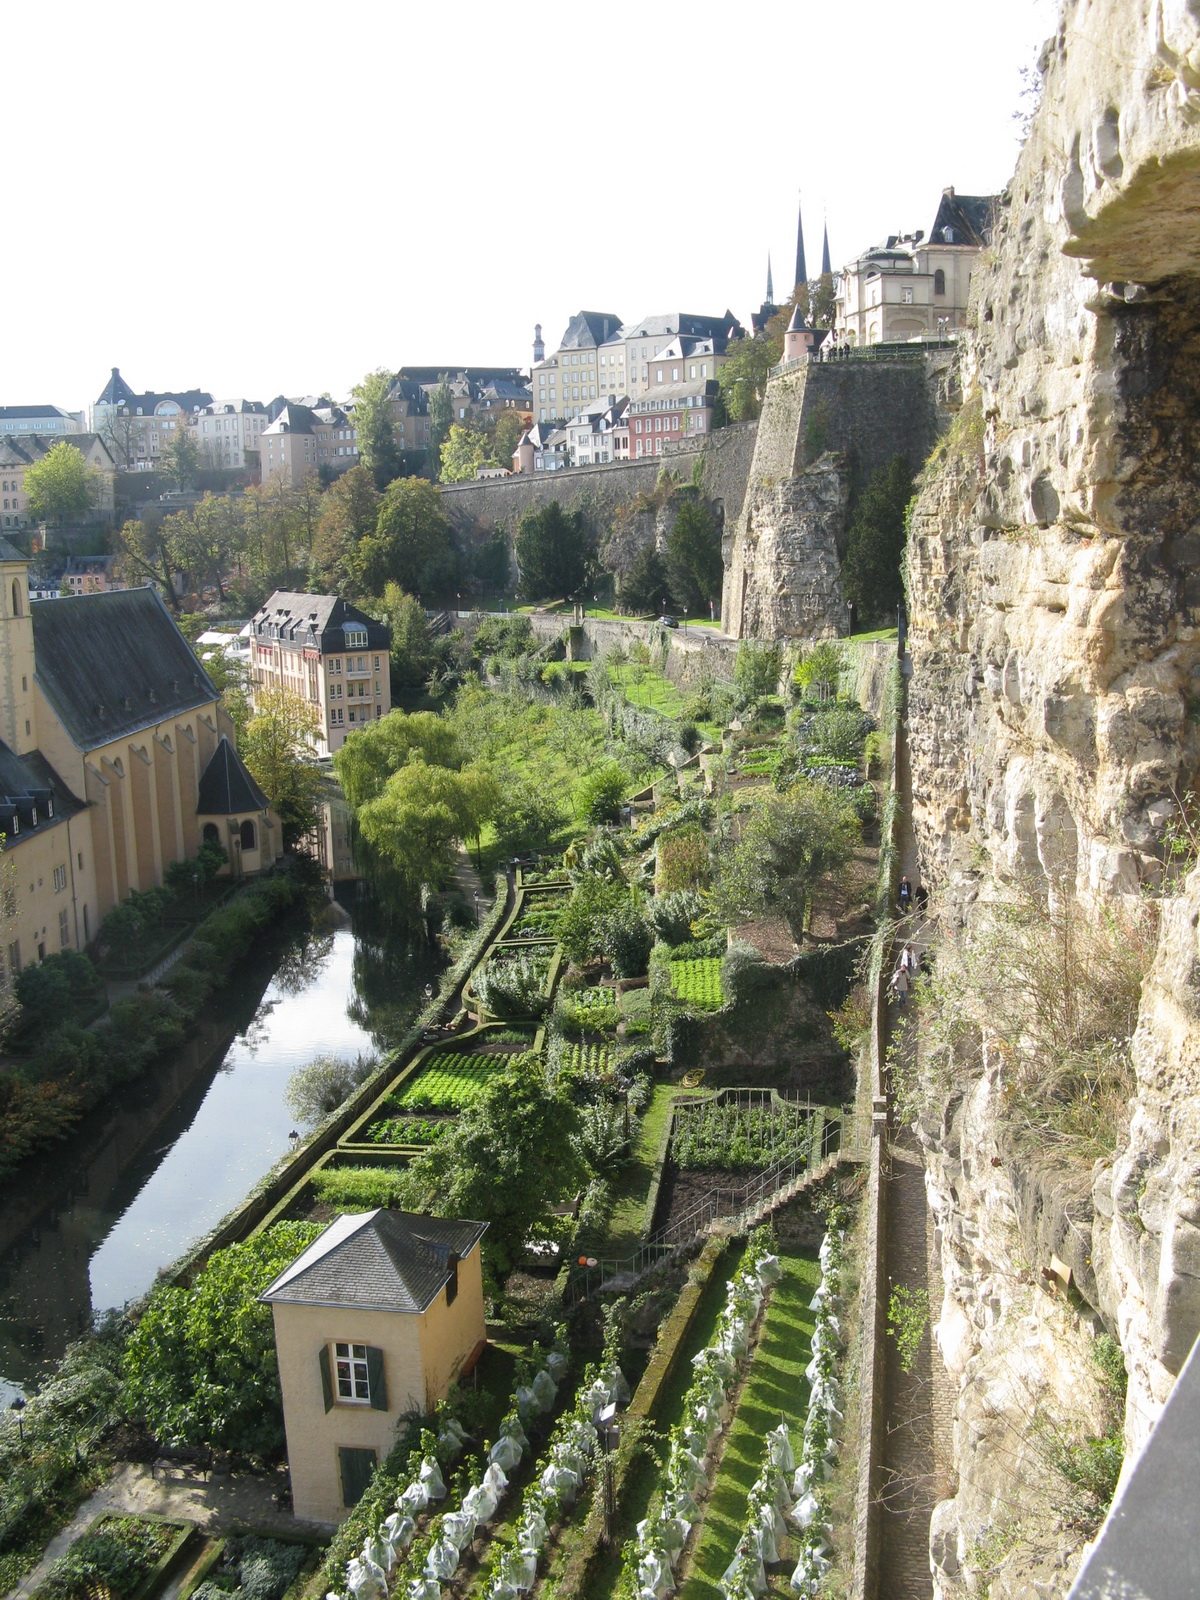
904,894
899,986
908,960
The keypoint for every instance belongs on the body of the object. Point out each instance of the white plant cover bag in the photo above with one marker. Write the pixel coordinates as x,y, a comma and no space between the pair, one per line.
424,1589
431,1477
398,1530
544,1390
458,1529
442,1560
506,1453
365,1581
779,1449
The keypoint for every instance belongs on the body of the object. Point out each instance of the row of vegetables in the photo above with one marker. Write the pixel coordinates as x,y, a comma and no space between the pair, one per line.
416,1550
786,1492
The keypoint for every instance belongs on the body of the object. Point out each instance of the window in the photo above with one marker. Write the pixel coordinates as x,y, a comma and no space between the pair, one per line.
353,1382
14,957
356,638
60,879
249,836
211,833
906,296
64,937
352,1374
939,282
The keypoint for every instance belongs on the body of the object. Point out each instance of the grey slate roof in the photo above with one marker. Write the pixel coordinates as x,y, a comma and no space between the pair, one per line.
379,1261
315,621
588,329
9,552
113,663
29,788
968,216
226,786
32,411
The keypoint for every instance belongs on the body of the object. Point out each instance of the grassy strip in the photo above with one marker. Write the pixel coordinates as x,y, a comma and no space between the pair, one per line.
633,1190
774,1389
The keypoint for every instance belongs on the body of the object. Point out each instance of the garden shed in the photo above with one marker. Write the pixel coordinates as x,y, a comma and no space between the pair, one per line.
373,1322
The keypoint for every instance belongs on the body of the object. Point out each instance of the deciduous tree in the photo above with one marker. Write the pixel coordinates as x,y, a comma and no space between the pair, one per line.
411,545
464,451
143,552
349,511
372,754
441,414
279,749
377,450
61,487
181,458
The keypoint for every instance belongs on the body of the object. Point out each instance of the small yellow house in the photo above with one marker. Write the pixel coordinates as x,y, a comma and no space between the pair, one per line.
373,1323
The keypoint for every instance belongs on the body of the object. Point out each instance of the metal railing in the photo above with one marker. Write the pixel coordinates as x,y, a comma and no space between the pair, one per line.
840,1137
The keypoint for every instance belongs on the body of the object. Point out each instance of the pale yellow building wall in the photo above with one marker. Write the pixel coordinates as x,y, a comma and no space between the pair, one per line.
452,1334
315,1435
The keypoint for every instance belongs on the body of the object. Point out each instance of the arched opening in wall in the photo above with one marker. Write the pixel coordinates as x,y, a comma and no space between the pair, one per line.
939,282
249,836
211,833
16,597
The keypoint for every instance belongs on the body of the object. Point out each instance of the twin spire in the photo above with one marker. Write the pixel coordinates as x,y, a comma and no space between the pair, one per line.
801,261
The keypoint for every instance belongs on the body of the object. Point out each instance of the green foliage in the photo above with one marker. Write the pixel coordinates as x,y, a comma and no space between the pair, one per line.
626,939
580,925
1110,1359
511,1158
871,571
645,581
349,510
412,544
252,1568
377,449
756,670
405,1130
694,564
683,861
278,748
512,985
788,842
509,636
908,1322
743,375
114,1557
449,1081
727,1136
61,487
361,1188
321,1085
698,983
837,732
553,553
463,452
373,753
63,986
671,915
599,795
820,667
200,1367
583,1011
421,815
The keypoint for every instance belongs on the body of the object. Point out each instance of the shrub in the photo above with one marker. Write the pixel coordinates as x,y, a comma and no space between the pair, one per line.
671,915
361,1188
627,940
599,794
63,985
756,671
683,859
112,1558
320,1086
581,924
511,986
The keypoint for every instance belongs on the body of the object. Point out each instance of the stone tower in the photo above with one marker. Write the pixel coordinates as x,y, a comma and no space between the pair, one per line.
539,348
16,652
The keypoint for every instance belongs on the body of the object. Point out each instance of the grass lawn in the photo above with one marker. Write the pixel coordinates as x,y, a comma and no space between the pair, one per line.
869,638
632,1187
643,686
774,1388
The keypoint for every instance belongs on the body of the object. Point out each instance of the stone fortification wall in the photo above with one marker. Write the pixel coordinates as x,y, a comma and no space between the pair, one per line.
1055,617
477,508
825,427
691,654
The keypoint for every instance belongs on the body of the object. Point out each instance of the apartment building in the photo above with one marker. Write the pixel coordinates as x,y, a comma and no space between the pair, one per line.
228,433
19,452
591,432
669,413
330,654
588,364
681,339
39,419
914,287
302,439
137,428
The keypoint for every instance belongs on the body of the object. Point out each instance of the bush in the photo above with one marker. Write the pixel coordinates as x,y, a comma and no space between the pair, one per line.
512,986
600,794
320,1086
112,1558
62,986
756,671
683,859
671,915
627,940
581,924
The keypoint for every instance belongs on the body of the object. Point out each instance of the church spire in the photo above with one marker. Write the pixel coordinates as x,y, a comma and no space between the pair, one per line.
801,264
826,268
770,300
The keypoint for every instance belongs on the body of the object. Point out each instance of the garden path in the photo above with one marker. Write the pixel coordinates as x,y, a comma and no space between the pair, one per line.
218,1501
917,1457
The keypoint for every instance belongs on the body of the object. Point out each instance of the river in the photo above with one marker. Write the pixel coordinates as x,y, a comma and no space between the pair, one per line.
86,1226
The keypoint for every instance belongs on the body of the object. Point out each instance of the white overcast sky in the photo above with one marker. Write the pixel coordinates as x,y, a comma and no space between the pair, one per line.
255,199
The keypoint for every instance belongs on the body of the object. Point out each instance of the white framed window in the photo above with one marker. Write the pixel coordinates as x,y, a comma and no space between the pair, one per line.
60,878
351,1375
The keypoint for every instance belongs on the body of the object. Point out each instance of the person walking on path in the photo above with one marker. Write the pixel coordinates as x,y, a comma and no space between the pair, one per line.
899,986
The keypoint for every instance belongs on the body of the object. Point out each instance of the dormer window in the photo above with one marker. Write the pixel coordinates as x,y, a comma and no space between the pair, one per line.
356,638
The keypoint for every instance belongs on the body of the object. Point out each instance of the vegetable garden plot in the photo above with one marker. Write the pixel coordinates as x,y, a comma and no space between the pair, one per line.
724,1136
449,1082
593,1059
698,983
405,1130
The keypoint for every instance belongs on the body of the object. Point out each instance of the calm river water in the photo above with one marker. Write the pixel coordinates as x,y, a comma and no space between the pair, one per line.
88,1225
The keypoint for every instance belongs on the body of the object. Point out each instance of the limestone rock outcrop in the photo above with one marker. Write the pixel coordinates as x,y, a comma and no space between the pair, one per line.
1053,716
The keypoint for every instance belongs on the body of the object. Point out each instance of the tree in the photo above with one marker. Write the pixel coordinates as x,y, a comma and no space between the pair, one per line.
756,669
552,553
491,563
411,545
200,1366
787,844
871,572
600,794
61,487
413,654
422,814
441,414
120,433
144,552
278,749
510,1157
202,540
349,512
377,450
181,459
320,1086
743,377
370,755
694,563
465,450
506,434
645,583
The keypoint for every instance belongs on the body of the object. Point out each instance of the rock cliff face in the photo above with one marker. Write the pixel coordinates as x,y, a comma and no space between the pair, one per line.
825,427
1055,597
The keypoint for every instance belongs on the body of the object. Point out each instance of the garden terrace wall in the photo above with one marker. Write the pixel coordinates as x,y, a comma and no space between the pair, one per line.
575,1580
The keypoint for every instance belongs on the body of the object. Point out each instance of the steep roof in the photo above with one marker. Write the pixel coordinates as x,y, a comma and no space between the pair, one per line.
588,329
7,412
33,798
380,1261
113,663
292,419
315,619
23,449
226,786
116,392
969,218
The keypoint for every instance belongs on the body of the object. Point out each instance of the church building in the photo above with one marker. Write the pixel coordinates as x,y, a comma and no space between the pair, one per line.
115,762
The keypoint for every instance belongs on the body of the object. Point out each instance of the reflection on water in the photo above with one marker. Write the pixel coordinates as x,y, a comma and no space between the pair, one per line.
87,1227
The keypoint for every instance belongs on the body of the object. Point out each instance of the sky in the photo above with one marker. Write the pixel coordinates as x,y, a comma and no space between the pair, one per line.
257,199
